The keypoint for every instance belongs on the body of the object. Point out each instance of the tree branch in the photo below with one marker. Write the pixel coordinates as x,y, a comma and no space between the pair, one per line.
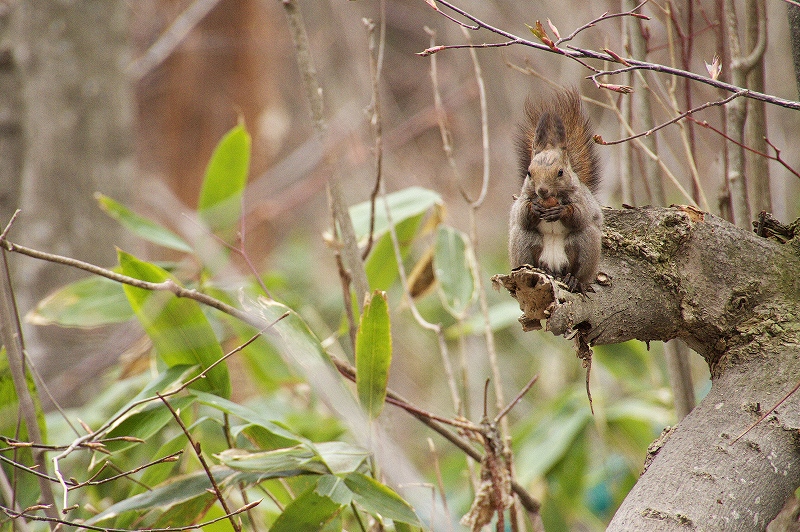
574,52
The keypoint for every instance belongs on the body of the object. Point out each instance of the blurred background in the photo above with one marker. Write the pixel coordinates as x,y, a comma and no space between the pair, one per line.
129,98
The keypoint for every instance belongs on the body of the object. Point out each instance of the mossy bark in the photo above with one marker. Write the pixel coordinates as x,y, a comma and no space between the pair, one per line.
732,296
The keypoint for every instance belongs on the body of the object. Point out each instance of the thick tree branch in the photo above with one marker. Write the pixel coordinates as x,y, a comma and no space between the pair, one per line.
732,296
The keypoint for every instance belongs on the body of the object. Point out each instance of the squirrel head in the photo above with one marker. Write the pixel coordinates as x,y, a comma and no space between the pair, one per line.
549,172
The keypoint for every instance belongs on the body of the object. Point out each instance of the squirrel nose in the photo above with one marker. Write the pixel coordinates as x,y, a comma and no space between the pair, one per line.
543,192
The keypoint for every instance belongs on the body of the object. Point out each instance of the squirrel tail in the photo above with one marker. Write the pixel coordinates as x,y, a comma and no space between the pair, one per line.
542,124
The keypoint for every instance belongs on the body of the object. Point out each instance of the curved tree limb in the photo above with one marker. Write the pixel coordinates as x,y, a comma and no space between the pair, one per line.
732,297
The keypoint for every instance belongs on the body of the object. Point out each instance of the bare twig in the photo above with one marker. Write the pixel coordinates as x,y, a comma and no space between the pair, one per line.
517,399
169,285
196,448
681,116
476,203
777,157
440,485
338,206
239,250
528,502
767,413
171,38
56,521
91,482
377,126
87,439
574,52
604,16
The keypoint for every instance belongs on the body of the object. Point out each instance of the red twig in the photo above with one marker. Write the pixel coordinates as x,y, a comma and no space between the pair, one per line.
575,53
776,157
681,116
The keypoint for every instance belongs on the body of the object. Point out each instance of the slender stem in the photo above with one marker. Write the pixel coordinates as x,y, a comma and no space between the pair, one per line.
11,336
196,448
57,522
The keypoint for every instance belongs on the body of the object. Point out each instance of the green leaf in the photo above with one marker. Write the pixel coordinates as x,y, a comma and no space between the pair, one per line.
551,441
373,354
178,328
301,350
226,176
187,513
141,226
341,457
145,424
280,463
167,380
381,265
403,204
158,473
309,512
90,302
177,491
379,499
453,269
278,436
334,488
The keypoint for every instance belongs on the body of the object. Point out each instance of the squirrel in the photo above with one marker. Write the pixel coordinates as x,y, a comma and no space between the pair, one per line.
556,220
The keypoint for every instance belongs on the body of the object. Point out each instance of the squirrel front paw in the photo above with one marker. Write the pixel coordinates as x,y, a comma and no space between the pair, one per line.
552,214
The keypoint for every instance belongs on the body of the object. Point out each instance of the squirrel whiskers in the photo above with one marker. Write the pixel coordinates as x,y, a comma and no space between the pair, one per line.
556,221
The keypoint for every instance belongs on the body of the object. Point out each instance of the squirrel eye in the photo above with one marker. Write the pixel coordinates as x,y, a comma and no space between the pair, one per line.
560,172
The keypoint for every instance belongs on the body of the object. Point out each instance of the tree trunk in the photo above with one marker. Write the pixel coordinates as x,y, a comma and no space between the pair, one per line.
732,297
77,128
793,13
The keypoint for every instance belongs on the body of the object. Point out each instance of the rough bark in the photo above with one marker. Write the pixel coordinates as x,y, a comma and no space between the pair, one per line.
793,13
732,297
10,129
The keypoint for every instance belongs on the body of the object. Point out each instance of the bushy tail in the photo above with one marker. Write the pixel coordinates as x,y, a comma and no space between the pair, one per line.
577,134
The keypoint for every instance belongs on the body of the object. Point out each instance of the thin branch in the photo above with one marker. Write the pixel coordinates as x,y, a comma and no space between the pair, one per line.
484,125
86,440
767,413
653,155
169,285
10,224
440,487
681,116
574,52
517,399
55,521
337,203
239,250
434,49
776,157
348,371
196,448
432,3
169,458
168,41
377,128
604,16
